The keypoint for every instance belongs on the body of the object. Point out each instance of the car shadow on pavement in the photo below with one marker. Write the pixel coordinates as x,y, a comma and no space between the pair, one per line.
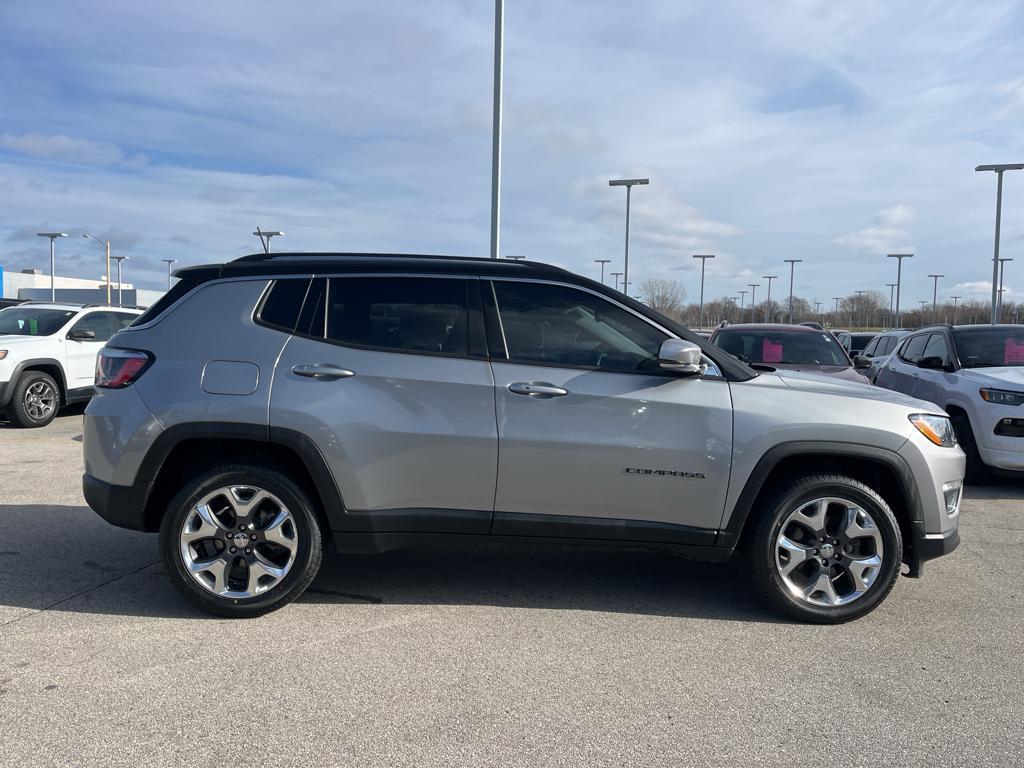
999,487
75,409
64,558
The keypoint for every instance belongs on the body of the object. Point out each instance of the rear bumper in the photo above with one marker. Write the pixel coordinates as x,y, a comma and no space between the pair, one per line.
120,505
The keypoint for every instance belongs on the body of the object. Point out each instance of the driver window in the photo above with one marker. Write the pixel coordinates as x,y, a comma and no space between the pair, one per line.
560,326
98,323
936,347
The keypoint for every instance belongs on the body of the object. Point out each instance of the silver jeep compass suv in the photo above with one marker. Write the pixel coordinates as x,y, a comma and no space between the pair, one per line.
276,402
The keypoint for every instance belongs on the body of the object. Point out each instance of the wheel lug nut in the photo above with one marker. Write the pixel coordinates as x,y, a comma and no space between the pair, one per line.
253,537
822,539
241,527
824,561
232,549
248,551
815,551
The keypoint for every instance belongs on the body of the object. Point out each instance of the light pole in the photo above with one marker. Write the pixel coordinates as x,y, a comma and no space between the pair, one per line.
817,309
602,262
935,298
168,262
899,272
792,265
768,301
753,301
53,236
514,258
265,236
998,168
106,245
119,259
628,184
892,288
955,300
703,261
860,307
1002,271
743,303
616,275
499,38
835,312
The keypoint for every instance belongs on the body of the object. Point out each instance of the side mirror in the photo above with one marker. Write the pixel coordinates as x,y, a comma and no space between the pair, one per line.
82,334
932,363
860,361
680,356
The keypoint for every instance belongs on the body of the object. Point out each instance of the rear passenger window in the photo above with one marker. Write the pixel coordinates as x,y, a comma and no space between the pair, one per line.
283,302
402,314
869,350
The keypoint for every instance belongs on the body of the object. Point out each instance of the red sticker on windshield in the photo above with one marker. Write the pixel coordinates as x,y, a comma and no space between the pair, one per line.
770,352
1014,352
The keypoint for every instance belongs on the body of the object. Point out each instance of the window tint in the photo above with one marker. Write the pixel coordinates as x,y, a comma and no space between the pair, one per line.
885,345
912,349
165,302
122,320
283,302
97,322
27,321
559,326
401,314
937,347
872,348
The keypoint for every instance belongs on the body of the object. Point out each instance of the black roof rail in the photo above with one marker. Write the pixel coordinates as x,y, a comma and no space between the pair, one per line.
287,255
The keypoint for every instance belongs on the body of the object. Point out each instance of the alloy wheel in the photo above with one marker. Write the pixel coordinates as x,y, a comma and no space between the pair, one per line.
828,551
40,400
238,541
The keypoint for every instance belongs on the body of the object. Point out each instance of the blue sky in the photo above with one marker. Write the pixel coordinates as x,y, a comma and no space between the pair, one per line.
831,132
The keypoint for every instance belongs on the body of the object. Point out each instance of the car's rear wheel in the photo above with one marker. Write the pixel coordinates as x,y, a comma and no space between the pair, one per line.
241,540
35,401
826,549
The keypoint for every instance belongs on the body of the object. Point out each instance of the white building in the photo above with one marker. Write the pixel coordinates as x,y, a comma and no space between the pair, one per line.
33,284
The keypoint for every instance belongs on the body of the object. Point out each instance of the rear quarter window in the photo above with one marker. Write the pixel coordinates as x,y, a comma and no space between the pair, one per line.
283,302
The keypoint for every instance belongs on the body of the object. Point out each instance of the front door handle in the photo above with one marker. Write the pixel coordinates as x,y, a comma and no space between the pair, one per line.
539,390
324,371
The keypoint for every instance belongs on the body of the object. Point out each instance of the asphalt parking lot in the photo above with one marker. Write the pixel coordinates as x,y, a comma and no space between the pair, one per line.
507,656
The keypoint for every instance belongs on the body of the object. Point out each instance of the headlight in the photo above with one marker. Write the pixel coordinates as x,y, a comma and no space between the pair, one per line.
1001,396
938,429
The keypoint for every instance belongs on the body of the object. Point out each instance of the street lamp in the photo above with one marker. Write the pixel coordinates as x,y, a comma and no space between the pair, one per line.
892,288
743,303
817,309
998,168
768,301
955,300
265,236
602,262
836,299
792,265
703,261
1002,271
499,39
860,308
119,259
168,262
899,271
616,275
753,302
106,245
935,297
628,184
53,236
514,258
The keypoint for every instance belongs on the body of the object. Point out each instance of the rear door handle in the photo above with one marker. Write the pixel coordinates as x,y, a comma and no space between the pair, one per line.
539,390
324,371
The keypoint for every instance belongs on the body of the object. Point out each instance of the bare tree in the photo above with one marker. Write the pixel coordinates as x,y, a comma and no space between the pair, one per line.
665,296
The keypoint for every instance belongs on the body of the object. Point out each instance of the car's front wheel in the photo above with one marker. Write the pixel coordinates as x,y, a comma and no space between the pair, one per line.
35,400
241,540
826,549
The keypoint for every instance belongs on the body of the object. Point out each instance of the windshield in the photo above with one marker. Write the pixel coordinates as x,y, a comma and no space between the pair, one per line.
780,347
28,321
990,347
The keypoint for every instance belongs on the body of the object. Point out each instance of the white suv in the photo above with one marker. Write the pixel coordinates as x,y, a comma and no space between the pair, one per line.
48,356
976,373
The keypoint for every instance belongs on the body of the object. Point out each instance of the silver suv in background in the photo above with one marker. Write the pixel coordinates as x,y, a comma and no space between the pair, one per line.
874,355
276,402
976,373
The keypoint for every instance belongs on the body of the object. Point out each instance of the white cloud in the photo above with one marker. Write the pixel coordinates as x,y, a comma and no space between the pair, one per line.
66,149
886,234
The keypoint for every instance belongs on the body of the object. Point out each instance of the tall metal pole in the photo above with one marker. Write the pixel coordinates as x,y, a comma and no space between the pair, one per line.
836,299
108,273
899,279
499,37
168,262
999,303
768,301
53,261
792,265
935,298
995,255
860,307
602,262
955,300
753,302
119,259
625,263
892,289
743,303
703,261
616,275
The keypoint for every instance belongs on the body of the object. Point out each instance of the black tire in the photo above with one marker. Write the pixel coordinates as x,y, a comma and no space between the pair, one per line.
20,409
760,547
977,471
303,569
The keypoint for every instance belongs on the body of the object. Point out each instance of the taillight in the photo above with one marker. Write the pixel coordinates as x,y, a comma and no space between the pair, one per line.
116,368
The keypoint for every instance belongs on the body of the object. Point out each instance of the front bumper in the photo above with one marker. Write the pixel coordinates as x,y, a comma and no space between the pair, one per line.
928,546
120,505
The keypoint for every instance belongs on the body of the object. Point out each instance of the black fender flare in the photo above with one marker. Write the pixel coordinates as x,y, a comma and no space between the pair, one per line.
7,391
